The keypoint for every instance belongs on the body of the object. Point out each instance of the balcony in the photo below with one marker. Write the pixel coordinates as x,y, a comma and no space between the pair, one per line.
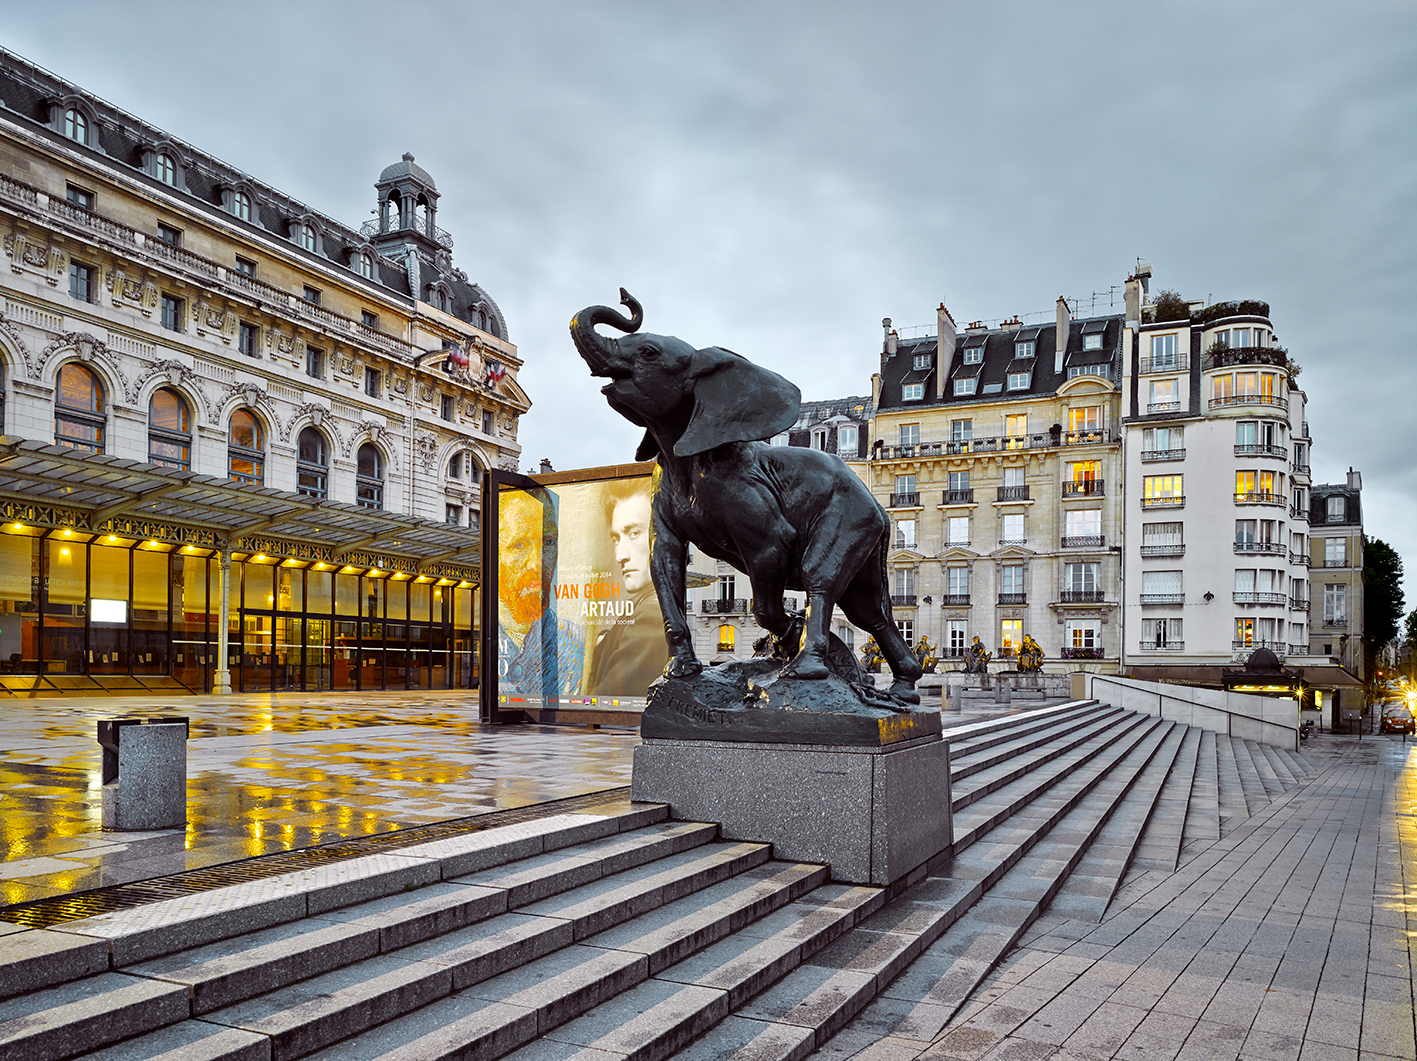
1083,488
1279,648
1013,598
911,500
1012,493
1239,400
1153,408
1082,541
1298,604
1163,598
1069,652
1174,363
1017,543
1301,467
957,543
1248,355
1252,597
1167,501
1335,622
1300,558
1265,548
724,606
1082,596
1301,650
1329,562
1259,497
902,600
1296,512
1149,455
1162,646
954,600
952,652
725,646
958,497
1259,449
1155,551
1083,438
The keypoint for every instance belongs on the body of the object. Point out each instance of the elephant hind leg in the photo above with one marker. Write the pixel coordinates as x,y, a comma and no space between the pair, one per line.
865,603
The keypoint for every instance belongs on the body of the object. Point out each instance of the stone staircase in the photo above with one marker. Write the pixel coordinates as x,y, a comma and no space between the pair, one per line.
617,933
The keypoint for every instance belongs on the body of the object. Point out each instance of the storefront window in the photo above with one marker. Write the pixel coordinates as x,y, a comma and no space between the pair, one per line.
19,604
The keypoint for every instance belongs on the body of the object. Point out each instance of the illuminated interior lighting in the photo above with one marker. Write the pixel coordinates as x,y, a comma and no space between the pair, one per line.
260,556
63,552
67,532
19,526
113,537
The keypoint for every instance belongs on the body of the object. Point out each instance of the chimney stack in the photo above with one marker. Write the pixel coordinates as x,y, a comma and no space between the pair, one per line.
1355,480
945,335
886,348
546,468
1065,320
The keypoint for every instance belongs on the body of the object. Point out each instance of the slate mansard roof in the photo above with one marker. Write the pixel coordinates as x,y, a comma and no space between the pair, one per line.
27,93
998,362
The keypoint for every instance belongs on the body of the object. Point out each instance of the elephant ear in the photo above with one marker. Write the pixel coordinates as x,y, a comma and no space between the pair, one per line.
736,401
648,449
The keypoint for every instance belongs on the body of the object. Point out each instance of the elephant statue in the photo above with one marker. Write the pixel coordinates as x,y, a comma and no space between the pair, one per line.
792,518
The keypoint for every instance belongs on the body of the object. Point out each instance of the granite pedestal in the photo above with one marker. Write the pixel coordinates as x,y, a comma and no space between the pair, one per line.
873,813
150,789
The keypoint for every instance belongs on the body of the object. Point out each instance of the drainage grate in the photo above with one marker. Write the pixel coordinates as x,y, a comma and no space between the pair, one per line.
57,909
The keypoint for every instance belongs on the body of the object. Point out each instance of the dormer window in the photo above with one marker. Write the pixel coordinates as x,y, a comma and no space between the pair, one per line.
1024,349
165,169
76,126
305,236
912,392
1092,342
364,266
241,206
966,386
923,360
1019,381
973,355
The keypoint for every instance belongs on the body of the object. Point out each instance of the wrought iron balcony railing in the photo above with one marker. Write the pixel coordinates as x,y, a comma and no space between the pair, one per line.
1013,598
1164,501
1163,598
1253,597
1154,551
902,600
1083,438
1298,604
1012,493
1248,355
1232,400
909,500
1300,558
1069,652
1268,548
1083,541
1174,454
1162,646
1259,497
958,497
1013,541
954,600
1335,622
724,606
1083,488
1082,596
1260,449
1163,407
1174,363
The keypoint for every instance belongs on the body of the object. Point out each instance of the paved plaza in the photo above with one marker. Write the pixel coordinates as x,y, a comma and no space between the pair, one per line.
1289,937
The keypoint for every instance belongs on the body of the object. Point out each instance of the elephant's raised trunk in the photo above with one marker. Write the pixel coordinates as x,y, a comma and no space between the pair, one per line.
600,353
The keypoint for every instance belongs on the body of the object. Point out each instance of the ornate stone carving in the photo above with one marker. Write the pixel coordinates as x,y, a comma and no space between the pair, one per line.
177,374
13,339
88,349
426,448
425,392
319,417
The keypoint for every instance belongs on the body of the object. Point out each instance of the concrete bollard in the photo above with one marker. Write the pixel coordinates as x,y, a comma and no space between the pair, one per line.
1002,692
144,773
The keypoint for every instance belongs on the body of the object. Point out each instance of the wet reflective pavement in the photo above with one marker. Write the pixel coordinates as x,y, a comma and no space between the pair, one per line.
274,772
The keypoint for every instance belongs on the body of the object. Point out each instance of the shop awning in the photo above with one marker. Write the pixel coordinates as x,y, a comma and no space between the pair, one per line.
47,485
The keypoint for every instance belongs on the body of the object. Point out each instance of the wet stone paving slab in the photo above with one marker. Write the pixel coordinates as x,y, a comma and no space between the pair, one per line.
270,773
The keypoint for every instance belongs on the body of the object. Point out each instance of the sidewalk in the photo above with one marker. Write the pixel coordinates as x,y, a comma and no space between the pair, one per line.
274,772
1290,938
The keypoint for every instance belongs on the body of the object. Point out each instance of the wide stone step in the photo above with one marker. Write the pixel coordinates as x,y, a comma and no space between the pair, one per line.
154,929
1160,846
1234,791
1256,774
608,977
1287,777
83,1015
974,737
32,958
965,763
995,777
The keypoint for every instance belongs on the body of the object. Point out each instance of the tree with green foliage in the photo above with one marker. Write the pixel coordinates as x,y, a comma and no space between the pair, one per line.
1382,603
1170,306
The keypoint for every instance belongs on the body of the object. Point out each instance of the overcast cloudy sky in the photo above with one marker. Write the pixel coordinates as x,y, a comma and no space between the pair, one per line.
777,177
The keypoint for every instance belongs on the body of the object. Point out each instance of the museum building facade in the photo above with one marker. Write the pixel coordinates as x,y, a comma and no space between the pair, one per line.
241,442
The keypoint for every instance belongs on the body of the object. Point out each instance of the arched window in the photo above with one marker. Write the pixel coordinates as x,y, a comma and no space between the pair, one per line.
312,462
393,213
307,236
76,126
365,265
482,319
166,169
369,482
455,466
726,636
78,410
169,430
241,206
246,448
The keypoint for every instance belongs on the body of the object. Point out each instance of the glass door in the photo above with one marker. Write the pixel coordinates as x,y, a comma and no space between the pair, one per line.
346,655
318,657
286,664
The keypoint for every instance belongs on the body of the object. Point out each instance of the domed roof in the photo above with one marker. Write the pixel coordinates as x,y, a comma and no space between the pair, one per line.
1262,659
407,168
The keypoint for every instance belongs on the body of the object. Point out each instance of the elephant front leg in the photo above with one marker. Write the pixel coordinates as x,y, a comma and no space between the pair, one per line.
811,659
668,557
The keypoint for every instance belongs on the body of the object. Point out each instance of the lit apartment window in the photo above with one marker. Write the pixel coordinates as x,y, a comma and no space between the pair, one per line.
171,313
1160,491
248,339
1010,636
79,197
1085,419
1162,397
81,282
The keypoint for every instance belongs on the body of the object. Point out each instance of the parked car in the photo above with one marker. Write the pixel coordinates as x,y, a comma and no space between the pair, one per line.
1397,718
